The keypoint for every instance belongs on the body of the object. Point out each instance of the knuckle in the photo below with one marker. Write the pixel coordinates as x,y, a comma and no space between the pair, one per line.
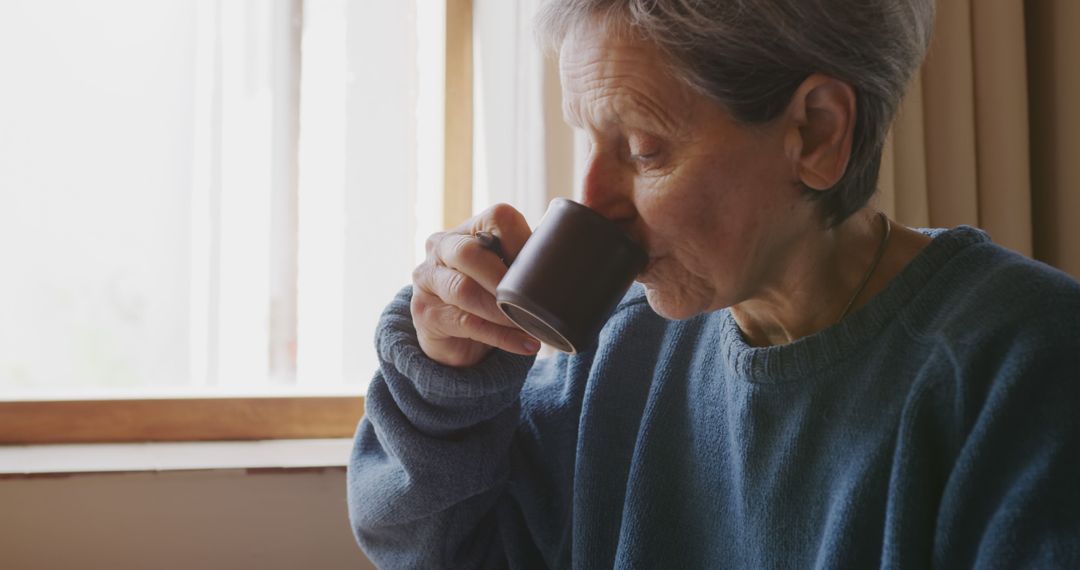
462,291
460,249
427,310
503,215
466,253
419,273
468,321
432,242
469,252
442,320
419,307
456,286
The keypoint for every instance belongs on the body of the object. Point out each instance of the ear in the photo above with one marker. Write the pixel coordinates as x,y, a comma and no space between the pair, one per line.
821,118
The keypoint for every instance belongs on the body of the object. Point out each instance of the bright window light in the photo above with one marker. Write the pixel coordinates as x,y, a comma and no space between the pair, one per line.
210,196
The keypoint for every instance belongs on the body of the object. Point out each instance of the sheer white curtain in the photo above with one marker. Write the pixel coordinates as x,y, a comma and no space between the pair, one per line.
214,196
523,153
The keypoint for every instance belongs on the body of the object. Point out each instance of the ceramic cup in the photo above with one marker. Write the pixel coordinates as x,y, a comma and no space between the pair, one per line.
569,276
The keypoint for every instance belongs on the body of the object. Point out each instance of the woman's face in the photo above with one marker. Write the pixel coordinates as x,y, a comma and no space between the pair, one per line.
715,203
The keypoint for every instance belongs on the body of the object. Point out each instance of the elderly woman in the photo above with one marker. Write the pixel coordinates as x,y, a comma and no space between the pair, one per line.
797,381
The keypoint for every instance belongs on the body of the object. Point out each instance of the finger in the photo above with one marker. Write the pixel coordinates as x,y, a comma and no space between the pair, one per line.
457,289
467,255
489,241
449,321
506,223
447,351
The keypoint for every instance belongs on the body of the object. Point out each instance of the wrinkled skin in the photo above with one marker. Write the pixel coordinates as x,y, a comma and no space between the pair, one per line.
719,206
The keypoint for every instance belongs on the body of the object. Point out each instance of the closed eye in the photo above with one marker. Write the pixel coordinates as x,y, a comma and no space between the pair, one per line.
646,156
643,147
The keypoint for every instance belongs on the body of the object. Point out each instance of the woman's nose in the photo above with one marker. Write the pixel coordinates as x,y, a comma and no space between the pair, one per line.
608,189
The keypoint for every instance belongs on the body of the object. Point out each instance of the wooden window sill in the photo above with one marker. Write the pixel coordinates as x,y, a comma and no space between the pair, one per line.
20,461
179,419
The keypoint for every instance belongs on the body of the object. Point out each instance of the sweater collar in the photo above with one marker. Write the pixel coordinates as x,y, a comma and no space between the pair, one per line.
817,353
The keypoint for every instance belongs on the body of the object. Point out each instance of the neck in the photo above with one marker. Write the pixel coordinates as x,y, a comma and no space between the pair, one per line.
820,276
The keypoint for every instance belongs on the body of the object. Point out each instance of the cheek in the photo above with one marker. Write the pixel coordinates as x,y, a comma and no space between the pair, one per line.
706,222
684,208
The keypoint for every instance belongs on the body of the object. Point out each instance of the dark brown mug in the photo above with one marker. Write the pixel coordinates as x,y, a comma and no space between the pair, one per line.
569,276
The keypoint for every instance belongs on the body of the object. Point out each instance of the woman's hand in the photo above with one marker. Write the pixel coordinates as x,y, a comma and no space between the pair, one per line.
453,302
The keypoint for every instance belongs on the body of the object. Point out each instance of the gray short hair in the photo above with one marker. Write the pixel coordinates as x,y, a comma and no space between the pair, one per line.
751,56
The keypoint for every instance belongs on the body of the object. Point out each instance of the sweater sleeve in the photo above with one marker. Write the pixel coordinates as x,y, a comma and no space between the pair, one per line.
1013,498
431,456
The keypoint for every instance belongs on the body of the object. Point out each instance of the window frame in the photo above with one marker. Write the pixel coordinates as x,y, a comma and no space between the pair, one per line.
34,422
30,422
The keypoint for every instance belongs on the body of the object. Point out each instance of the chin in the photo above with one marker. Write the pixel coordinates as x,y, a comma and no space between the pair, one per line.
669,306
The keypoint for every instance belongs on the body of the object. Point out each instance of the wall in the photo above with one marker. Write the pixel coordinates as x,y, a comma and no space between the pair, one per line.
258,518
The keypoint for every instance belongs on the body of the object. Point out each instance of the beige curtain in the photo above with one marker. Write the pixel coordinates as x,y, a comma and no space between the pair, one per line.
989,132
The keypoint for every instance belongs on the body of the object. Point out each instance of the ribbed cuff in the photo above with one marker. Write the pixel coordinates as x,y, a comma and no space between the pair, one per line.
495,380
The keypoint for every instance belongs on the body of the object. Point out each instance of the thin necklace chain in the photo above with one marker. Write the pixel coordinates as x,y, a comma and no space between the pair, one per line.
877,259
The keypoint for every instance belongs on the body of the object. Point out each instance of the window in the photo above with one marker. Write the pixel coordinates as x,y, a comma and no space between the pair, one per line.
178,210
218,198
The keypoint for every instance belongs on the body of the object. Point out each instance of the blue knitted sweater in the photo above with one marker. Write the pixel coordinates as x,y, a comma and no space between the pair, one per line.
937,426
